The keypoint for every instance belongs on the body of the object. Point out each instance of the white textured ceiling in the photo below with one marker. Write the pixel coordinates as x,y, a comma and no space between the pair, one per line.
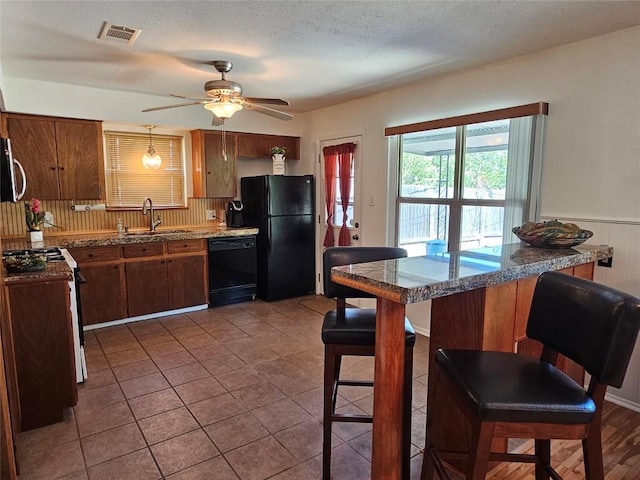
312,53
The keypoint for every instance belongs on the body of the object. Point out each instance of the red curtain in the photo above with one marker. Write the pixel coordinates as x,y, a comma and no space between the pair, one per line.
330,169
338,158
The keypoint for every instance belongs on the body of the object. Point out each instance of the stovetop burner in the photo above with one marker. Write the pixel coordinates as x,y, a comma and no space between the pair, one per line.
52,254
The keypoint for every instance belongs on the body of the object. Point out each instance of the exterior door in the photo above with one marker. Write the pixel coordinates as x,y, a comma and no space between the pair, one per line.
354,222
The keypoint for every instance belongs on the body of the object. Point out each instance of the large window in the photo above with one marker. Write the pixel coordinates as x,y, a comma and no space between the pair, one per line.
129,182
465,186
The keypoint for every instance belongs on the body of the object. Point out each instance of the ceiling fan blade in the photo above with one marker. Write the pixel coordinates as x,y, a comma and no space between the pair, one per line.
153,109
188,98
268,111
267,101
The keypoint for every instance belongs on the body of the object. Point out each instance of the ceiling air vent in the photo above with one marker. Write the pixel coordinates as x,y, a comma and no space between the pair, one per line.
118,33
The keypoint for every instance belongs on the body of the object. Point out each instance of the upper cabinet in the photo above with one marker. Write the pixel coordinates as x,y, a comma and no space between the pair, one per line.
214,164
62,158
215,175
253,145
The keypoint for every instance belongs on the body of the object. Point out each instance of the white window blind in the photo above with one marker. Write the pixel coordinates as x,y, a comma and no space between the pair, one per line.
128,182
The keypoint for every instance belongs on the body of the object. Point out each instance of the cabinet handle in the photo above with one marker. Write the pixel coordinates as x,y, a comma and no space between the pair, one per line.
53,168
90,255
60,168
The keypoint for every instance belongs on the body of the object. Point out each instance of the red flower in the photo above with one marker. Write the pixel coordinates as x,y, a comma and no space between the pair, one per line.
35,205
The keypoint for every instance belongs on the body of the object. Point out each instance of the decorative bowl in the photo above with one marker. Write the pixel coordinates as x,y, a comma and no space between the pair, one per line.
552,234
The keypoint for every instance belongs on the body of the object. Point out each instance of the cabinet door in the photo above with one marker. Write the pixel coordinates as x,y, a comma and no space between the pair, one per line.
187,281
221,171
291,145
147,287
43,351
253,145
79,147
103,296
33,143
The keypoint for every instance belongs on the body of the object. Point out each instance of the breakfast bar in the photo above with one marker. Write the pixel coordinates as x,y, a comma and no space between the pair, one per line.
480,300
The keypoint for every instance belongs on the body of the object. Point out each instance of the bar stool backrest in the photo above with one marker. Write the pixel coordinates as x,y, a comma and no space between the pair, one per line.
594,325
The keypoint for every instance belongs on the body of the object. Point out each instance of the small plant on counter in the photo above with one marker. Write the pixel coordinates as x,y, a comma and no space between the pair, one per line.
278,150
33,215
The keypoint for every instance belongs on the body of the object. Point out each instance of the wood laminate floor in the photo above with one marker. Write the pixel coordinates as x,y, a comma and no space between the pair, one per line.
235,393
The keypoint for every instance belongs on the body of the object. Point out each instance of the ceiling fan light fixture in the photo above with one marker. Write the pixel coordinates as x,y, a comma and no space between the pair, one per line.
224,109
151,160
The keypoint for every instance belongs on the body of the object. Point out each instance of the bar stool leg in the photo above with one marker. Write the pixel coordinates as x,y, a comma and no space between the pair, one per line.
328,406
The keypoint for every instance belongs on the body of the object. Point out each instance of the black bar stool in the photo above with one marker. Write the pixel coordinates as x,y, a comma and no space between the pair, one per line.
508,395
352,331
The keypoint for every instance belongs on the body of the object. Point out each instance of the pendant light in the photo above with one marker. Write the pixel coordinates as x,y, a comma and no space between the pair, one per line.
151,160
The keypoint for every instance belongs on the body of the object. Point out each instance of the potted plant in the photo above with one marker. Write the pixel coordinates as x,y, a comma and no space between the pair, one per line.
276,150
34,217
277,155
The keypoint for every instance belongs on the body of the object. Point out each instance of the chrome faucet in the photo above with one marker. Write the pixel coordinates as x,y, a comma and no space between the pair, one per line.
152,223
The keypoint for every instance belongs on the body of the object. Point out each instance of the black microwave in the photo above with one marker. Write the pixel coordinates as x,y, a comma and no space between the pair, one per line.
9,191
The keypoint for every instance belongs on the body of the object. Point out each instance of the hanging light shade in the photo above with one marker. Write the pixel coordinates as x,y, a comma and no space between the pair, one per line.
224,108
151,160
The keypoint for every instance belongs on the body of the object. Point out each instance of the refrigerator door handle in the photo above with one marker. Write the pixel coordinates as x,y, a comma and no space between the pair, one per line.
268,236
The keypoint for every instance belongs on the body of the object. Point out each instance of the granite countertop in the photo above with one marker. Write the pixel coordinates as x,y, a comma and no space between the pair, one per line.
60,270
415,279
135,236
52,271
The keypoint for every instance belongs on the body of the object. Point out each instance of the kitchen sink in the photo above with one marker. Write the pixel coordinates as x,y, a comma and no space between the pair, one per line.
147,233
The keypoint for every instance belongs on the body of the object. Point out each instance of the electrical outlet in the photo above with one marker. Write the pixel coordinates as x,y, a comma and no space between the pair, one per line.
211,215
48,219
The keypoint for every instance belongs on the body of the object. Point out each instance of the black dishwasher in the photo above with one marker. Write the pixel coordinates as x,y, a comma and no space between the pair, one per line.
232,270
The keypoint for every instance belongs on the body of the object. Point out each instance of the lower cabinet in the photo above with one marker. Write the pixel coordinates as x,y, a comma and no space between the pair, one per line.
43,342
139,279
103,296
147,287
186,275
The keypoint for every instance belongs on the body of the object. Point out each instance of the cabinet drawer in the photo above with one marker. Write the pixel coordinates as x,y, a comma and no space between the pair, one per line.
181,246
144,249
95,254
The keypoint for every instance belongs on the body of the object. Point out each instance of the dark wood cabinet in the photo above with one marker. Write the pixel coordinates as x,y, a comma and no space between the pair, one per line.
147,286
214,174
141,278
43,340
187,276
103,297
254,145
62,158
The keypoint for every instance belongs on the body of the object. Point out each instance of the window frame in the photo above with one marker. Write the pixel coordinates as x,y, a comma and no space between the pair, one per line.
456,203
166,145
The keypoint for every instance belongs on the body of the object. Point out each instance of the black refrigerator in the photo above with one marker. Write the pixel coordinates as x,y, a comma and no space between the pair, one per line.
282,208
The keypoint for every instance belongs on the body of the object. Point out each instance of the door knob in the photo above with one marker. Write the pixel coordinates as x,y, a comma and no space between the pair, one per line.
356,237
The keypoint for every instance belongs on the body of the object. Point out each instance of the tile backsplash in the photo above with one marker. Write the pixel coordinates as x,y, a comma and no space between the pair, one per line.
69,221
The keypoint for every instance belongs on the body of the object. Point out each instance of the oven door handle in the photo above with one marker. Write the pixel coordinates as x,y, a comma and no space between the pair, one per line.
80,278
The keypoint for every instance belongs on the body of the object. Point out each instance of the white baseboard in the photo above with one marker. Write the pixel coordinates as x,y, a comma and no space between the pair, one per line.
146,317
422,331
623,402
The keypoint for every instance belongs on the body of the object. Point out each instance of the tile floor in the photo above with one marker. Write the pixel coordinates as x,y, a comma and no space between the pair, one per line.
230,393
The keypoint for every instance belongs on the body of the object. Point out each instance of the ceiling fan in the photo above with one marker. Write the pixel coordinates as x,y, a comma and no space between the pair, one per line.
224,98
